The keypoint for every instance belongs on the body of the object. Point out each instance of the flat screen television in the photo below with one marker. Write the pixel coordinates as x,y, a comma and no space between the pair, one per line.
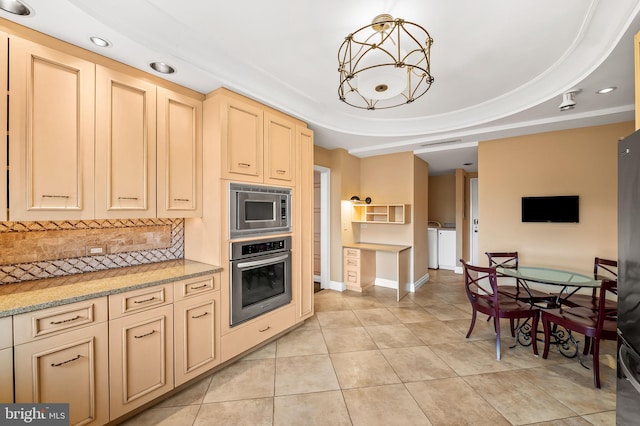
560,209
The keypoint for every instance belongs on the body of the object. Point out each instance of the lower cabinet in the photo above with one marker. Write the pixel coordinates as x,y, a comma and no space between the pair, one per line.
6,360
140,358
196,336
70,367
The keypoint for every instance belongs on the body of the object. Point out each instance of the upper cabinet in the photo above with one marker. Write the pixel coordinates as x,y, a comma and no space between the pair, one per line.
51,132
87,141
257,143
125,165
179,150
380,213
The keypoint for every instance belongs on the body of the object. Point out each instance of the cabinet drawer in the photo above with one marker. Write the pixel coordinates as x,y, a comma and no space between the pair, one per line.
47,322
6,332
351,263
351,252
352,277
139,300
256,331
195,286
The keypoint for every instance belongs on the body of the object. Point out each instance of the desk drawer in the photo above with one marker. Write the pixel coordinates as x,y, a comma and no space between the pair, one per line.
351,263
256,331
352,253
352,277
47,322
139,300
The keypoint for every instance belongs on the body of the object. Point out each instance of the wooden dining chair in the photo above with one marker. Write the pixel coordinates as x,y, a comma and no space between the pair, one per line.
603,269
510,260
481,286
601,326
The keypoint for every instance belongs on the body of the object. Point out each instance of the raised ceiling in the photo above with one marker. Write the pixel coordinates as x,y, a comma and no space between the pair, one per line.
500,66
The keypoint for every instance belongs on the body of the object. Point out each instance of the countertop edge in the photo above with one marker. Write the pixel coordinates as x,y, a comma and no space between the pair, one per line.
206,270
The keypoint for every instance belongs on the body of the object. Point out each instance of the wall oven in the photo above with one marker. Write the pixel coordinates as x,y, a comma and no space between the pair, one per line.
260,277
258,210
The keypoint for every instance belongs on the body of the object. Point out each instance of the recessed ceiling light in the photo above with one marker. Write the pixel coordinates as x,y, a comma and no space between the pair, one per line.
99,41
162,67
15,6
606,90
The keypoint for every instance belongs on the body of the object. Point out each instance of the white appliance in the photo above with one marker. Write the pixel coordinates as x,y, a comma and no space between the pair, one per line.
447,249
432,243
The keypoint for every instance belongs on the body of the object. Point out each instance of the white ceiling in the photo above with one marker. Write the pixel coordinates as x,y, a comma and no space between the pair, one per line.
500,66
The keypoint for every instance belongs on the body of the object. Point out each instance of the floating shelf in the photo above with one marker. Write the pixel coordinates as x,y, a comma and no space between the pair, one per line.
379,213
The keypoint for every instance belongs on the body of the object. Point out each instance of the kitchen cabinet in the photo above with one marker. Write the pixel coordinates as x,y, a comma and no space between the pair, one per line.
6,360
140,347
179,155
125,168
61,354
4,84
303,260
447,249
359,268
257,143
380,213
279,148
196,327
51,146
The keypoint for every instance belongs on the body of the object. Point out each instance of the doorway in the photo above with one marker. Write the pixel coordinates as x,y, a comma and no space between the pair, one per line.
322,225
473,214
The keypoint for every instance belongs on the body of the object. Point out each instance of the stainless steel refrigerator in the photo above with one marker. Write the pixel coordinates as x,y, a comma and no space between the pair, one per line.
628,372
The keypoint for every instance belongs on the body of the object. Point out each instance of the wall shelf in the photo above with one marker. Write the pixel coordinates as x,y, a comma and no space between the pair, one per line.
379,213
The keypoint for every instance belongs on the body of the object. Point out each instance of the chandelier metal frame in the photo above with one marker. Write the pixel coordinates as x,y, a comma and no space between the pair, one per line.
393,38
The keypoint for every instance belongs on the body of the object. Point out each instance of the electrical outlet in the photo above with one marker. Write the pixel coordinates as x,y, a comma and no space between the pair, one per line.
96,250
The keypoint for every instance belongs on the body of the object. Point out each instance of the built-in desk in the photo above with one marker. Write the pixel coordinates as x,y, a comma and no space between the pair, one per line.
360,265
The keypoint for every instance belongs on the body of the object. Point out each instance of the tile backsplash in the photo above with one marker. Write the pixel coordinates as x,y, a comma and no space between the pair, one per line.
35,250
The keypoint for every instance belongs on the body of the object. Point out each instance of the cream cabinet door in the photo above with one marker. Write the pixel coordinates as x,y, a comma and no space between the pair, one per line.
197,335
179,147
6,360
4,56
279,149
140,358
242,139
51,126
70,368
303,234
125,146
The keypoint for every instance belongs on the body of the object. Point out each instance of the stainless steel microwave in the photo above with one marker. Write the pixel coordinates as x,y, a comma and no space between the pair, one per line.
258,210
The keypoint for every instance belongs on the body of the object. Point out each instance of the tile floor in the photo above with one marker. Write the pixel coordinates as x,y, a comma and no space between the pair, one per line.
365,359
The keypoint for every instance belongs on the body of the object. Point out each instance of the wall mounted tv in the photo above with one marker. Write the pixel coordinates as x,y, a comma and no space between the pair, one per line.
560,209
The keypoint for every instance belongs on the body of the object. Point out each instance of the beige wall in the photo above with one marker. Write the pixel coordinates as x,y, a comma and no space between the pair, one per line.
420,210
442,198
572,162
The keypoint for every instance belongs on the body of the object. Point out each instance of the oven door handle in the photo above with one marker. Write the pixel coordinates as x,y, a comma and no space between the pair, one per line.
245,265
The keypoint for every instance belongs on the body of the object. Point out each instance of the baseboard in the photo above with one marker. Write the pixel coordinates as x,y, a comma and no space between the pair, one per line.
416,285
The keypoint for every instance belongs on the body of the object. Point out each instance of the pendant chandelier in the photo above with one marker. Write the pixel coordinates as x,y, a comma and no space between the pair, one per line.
385,64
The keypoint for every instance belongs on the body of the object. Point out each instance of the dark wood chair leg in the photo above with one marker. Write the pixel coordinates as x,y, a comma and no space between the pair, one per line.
547,336
497,322
534,333
596,362
473,322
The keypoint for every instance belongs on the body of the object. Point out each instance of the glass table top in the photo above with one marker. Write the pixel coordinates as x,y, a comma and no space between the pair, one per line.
550,276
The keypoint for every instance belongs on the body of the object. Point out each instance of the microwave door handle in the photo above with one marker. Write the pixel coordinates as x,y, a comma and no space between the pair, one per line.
245,265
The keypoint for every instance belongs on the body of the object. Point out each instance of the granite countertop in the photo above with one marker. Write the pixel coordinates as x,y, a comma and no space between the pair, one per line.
393,248
39,294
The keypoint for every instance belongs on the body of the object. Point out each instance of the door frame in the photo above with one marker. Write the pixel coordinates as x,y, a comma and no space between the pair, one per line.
325,225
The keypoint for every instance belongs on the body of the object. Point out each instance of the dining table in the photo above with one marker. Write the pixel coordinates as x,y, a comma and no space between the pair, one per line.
565,284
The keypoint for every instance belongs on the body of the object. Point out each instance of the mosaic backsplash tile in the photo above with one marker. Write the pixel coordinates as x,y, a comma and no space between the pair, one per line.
35,250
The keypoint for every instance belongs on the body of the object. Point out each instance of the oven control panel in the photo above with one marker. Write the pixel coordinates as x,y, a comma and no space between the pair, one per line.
244,249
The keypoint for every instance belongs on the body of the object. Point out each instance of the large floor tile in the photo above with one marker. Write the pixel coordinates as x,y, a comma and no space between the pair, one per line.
376,316
411,314
517,399
192,395
364,368
417,363
254,412
435,332
453,402
447,311
301,342
392,336
383,405
243,380
338,319
348,339
467,358
305,374
311,409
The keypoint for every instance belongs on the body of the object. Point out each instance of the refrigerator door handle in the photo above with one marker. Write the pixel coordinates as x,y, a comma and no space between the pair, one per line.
623,358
